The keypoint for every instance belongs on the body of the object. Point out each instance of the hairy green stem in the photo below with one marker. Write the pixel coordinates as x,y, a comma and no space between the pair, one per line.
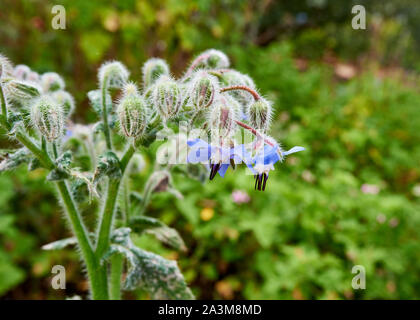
43,144
97,280
107,217
117,265
3,103
105,114
55,152
109,206
39,153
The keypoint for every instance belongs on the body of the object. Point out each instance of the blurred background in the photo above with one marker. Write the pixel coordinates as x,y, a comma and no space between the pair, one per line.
349,96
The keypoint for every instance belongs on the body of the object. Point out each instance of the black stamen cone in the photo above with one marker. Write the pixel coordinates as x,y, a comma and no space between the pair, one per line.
260,181
232,163
214,169
265,181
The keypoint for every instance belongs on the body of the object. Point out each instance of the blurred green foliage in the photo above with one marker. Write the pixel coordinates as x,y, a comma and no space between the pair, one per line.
352,198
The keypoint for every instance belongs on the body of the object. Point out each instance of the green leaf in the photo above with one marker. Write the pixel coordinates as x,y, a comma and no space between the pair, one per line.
62,171
57,175
108,165
161,231
13,160
34,164
60,244
160,277
63,243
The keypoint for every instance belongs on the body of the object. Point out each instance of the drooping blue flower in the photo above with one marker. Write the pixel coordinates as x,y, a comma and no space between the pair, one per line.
221,158
264,161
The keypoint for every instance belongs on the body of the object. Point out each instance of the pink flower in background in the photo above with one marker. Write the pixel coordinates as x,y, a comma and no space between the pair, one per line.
239,197
369,188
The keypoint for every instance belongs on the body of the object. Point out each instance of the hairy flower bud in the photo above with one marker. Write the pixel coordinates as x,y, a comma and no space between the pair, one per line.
132,112
51,81
22,90
21,72
66,101
259,114
222,119
113,74
6,68
47,117
167,97
153,69
203,89
33,77
212,59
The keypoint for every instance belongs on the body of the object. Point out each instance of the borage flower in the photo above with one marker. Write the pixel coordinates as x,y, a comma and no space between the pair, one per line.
264,161
220,157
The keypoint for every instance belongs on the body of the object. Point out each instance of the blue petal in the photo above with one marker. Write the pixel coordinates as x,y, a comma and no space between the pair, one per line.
269,155
199,151
223,169
293,150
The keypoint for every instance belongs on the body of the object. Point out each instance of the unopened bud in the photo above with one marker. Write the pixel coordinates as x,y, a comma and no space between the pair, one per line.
132,112
33,76
51,81
167,97
213,59
21,72
22,90
113,74
153,69
259,114
203,89
47,117
66,101
222,119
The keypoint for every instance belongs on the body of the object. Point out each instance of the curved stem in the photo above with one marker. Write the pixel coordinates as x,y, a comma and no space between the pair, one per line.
245,88
254,132
195,63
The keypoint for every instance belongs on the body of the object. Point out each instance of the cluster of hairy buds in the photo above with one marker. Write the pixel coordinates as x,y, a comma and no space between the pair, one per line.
215,101
167,97
132,112
48,117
